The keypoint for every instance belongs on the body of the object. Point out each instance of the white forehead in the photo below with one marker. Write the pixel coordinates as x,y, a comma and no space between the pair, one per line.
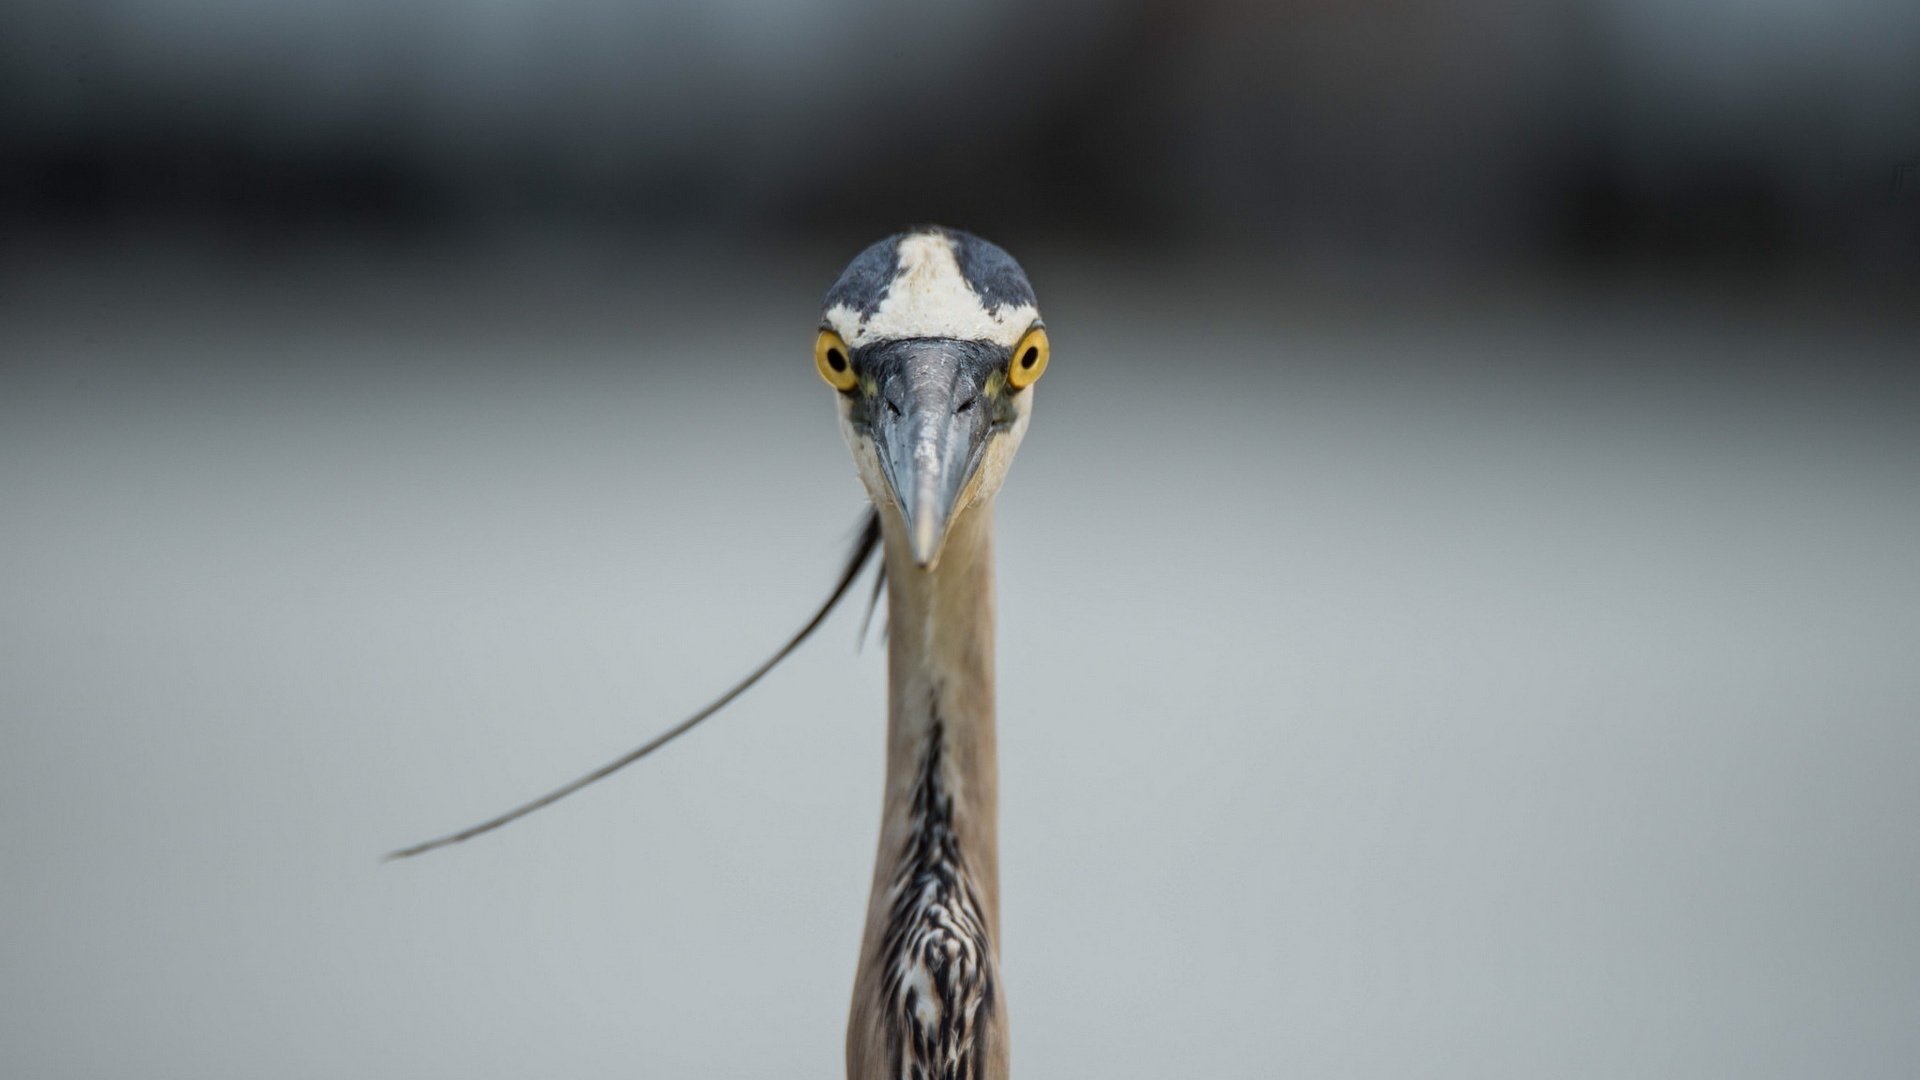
930,297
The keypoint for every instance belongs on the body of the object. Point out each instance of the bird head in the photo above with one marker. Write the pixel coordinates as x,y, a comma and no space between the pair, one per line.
933,342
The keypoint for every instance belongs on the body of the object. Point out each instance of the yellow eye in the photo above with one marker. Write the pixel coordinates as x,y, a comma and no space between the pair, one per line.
1029,359
835,362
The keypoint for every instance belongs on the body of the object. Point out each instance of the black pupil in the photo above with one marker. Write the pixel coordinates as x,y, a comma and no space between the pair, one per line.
835,360
1027,358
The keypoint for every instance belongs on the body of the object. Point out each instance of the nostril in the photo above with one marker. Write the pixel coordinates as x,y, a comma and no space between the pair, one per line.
967,405
893,408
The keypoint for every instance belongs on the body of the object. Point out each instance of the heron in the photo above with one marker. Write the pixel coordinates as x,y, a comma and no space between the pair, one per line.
931,341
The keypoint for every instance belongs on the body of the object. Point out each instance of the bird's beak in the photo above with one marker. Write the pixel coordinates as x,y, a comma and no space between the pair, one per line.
930,430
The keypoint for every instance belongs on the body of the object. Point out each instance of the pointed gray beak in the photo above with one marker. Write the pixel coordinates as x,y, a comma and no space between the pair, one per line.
930,427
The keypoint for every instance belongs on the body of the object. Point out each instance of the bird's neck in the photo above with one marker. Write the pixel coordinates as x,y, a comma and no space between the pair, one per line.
940,626
927,995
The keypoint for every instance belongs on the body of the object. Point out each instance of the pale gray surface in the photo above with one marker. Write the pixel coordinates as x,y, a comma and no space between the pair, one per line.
1487,688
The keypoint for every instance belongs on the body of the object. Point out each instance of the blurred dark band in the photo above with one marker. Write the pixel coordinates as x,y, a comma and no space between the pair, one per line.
1584,131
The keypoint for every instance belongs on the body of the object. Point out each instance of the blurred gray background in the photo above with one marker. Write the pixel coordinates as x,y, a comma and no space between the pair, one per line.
1459,602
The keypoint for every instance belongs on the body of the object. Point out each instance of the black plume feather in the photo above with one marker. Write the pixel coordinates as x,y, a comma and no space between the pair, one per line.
864,547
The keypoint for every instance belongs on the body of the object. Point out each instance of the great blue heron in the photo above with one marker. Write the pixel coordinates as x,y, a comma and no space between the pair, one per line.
932,341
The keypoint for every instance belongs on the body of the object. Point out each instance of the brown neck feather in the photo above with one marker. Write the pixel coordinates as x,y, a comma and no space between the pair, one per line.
927,993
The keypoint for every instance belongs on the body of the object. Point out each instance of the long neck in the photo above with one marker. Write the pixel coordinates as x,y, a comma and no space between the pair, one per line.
927,995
